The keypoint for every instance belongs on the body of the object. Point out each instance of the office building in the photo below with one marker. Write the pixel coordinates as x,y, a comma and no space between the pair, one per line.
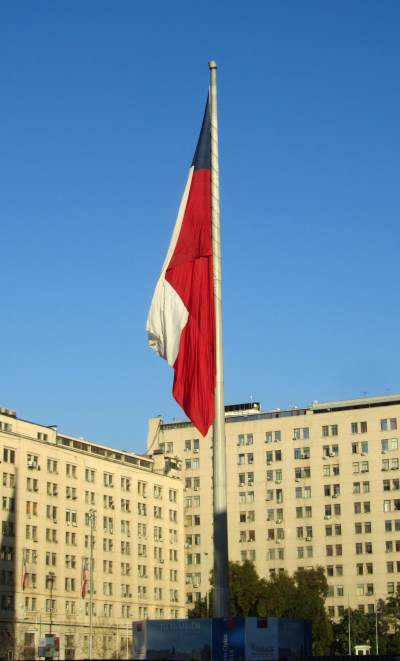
309,486
69,504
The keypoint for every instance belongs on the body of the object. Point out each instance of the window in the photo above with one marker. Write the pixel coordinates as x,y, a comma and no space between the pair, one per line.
90,475
30,531
51,535
142,490
125,484
70,538
8,505
245,439
302,473
142,509
302,453
52,466
5,426
330,430
90,498
70,607
71,517
125,547
388,424
359,427
125,505
52,489
8,480
273,437
303,492
125,568
108,479
8,453
107,612
362,507
125,527
330,451
30,605
69,584
31,555
71,493
301,433
71,471
32,461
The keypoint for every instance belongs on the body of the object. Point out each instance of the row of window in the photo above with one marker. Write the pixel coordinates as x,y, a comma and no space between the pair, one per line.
386,424
329,452
72,607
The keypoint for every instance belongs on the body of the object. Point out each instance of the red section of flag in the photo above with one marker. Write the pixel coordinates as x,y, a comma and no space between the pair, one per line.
24,575
190,273
84,580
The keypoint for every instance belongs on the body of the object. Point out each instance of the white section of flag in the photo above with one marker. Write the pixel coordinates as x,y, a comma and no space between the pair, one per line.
168,315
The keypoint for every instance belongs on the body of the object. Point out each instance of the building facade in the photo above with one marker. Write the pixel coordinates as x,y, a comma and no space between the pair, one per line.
305,487
69,505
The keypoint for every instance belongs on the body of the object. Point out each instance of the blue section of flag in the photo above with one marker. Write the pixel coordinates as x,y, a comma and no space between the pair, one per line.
202,156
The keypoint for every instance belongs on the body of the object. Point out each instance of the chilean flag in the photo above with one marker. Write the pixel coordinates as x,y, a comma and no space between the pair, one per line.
181,320
85,578
25,575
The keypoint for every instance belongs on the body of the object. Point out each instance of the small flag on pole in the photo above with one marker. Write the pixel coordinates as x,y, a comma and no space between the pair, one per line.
181,320
25,574
85,578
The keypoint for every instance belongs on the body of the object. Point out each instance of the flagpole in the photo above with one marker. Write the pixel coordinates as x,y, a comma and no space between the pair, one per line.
221,574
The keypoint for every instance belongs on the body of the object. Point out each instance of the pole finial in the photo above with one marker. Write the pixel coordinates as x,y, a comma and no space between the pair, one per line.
212,64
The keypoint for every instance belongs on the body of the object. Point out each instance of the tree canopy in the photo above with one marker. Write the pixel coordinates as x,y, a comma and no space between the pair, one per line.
364,627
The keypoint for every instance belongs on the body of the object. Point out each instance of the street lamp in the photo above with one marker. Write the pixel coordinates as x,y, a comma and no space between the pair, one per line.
207,586
51,577
92,522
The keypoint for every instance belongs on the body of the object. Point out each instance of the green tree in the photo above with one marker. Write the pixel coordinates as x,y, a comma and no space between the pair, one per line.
278,596
301,596
199,609
312,590
362,632
389,624
245,589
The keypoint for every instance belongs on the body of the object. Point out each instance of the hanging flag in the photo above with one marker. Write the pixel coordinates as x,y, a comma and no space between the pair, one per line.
25,575
85,578
181,321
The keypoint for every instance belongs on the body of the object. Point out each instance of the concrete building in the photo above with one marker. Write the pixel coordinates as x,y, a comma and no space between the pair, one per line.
306,487
66,500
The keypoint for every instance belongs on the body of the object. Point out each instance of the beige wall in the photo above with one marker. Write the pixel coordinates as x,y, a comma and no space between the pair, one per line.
257,539
48,527
260,527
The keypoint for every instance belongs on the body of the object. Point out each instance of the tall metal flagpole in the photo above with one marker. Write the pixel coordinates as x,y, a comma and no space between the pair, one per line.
221,578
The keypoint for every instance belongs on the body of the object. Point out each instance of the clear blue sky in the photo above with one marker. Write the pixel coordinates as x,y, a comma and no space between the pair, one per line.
101,104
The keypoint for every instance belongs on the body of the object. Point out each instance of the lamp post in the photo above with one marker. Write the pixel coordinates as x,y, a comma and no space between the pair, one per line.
51,581
92,521
207,586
